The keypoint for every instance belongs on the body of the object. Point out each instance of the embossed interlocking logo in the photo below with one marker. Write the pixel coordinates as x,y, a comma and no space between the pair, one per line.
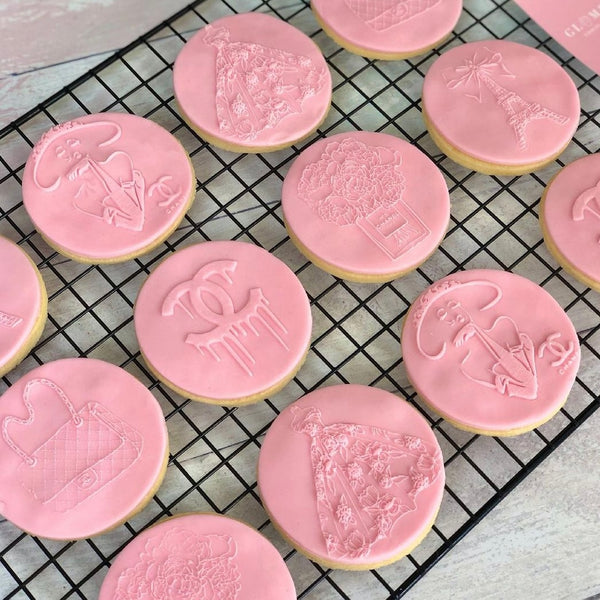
229,325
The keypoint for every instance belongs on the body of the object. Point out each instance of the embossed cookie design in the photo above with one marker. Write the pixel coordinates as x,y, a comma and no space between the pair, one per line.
72,431
98,195
365,206
367,477
223,322
23,305
490,351
198,556
499,107
252,83
387,29
570,219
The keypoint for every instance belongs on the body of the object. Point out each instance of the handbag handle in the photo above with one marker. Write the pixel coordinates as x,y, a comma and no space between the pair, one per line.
31,460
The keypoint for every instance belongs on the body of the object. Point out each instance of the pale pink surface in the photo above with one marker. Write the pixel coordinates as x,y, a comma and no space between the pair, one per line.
340,184
20,299
198,556
574,24
382,425
106,185
464,91
572,214
271,76
68,475
490,350
390,26
236,346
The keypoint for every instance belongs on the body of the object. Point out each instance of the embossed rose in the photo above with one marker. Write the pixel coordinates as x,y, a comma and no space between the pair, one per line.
182,565
419,480
344,514
356,545
176,577
355,473
356,184
330,444
352,180
337,210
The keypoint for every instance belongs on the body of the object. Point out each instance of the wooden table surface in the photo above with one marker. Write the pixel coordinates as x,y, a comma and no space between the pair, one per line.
543,540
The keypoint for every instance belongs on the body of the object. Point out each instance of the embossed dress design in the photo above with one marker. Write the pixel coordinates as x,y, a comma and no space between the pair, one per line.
355,184
257,86
484,70
77,460
85,162
366,479
183,565
385,14
228,326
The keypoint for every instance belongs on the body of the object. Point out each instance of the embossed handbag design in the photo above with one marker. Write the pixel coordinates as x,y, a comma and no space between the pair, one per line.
78,459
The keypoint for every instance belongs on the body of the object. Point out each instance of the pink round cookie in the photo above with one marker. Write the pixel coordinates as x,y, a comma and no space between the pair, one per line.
223,322
490,351
387,29
108,187
352,476
252,83
365,206
570,218
499,107
23,305
84,447
198,556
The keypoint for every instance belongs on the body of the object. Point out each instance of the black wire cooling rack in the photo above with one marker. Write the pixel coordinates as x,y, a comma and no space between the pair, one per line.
356,327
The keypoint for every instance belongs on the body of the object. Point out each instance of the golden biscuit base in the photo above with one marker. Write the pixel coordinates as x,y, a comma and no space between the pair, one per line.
332,564
90,260
369,53
37,329
351,275
231,147
242,401
481,166
562,260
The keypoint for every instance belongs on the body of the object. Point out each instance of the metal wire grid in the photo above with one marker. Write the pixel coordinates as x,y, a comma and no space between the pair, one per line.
356,327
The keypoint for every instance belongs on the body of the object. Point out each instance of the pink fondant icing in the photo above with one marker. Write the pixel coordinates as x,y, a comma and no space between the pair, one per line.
368,203
198,557
107,185
490,350
353,475
571,214
223,320
389,26
501,102
73,431
20,300
252,80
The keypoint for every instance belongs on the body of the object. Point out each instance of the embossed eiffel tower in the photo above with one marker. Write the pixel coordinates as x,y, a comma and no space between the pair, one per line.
519,112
